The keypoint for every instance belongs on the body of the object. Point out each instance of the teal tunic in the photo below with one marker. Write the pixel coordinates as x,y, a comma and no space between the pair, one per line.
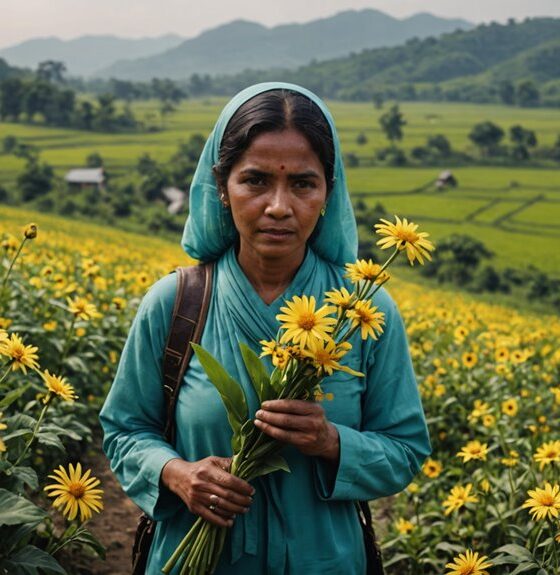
300,523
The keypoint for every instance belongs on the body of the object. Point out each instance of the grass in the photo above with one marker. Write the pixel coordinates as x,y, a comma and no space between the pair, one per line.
515,211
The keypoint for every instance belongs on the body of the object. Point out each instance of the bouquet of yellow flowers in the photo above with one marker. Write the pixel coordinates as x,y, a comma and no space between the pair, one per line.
310,345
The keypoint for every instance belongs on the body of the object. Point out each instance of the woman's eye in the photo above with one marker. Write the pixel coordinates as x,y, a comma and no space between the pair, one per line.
255,181
302,184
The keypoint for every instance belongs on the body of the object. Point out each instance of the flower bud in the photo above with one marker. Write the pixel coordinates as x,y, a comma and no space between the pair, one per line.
30,231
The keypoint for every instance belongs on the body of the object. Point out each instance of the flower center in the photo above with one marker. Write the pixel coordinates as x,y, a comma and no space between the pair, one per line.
77,490
407,236
551,454
306,321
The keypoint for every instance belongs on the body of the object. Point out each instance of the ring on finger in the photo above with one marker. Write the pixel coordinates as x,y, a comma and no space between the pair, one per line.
212,507
214,499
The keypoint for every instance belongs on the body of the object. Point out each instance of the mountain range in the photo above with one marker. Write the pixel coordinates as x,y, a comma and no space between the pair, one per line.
232,47
85,55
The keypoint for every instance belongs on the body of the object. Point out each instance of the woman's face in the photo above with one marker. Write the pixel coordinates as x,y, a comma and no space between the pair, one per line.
276,191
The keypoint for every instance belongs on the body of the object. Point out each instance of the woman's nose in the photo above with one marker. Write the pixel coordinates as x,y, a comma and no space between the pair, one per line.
279,205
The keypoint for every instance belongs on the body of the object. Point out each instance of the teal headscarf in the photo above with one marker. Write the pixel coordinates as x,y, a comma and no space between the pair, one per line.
210,230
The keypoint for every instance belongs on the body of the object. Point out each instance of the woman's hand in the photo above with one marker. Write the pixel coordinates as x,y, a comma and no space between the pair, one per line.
302,424
208,489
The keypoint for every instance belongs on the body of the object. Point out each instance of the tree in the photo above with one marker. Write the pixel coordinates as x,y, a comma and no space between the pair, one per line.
85,115
36,98
36,180
522,140
94,160
12,92
486,136
440,144
51,71
506,92
556,149
105,118
392,123
9,144
378,100
527,95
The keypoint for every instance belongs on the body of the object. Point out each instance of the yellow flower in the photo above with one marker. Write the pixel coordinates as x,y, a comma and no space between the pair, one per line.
50,325
502,354
469,563
80,332
279,355
366,270
76,492
488,420
439,390
2,427
413,488
473,450
403,235
5,323
510,407
119,303
485,485
326,356
342,298
543,503
512,460
547,453
30,231
432,468
367,318
22,356
403,526
480,409
556,392
469,359
301,322
58,386
82,308
459,497
518,356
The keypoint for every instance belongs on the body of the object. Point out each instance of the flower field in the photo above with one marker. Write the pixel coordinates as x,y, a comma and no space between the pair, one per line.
488,499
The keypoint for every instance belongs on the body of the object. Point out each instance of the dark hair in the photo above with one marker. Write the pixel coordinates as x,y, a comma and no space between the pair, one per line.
274,111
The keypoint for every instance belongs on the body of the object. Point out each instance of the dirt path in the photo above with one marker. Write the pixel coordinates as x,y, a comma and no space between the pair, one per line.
114,527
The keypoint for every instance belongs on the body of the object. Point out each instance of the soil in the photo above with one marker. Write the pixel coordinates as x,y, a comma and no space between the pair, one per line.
114,527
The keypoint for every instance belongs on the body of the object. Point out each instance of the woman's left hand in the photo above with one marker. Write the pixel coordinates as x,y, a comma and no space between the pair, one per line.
302,424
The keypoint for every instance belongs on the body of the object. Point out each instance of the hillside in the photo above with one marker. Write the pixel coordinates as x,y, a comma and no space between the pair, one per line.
529,50
242,45
85,55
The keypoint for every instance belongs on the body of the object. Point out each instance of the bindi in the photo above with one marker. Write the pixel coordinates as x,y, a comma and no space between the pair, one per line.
281,166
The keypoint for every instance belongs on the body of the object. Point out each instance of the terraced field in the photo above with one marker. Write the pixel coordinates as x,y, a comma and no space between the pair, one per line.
514,211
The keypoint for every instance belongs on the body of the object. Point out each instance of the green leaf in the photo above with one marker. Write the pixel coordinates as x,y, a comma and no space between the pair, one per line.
86,538
32,561
230,391
12,396
257,372
516,551
50,440
27,475
524,567
274,462
15,510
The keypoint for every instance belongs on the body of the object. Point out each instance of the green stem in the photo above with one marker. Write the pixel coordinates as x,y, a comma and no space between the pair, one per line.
67,343
193,531
5,374
35,431
13,262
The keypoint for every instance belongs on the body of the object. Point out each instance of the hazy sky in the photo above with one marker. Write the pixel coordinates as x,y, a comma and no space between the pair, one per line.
23,19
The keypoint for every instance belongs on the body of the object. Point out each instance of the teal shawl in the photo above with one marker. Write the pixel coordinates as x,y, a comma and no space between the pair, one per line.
303,522
210,231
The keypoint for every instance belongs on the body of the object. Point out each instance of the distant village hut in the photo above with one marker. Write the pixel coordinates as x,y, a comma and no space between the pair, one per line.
177,199
446,180
86,178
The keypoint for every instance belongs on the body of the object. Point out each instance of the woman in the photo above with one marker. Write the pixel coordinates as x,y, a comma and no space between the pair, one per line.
269,204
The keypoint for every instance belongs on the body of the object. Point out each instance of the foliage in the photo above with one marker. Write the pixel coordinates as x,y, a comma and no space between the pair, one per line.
486,135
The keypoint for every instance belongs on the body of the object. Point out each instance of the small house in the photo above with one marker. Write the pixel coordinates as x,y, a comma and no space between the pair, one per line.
446,180
86,178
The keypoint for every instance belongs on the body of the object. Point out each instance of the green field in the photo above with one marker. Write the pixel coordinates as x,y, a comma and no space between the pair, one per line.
515,211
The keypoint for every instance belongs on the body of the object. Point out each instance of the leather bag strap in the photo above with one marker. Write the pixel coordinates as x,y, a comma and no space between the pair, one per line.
194,287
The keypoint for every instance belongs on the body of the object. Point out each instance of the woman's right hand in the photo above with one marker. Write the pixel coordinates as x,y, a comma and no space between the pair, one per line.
208,489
